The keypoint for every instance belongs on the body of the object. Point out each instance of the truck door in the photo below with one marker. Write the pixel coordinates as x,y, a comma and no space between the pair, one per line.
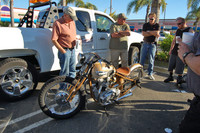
84,29
102,34
103,24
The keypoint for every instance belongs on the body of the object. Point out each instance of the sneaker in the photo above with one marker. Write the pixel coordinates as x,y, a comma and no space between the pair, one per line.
151,77
170,78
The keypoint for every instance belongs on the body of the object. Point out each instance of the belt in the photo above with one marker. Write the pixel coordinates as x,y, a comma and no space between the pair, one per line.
150,42
69,48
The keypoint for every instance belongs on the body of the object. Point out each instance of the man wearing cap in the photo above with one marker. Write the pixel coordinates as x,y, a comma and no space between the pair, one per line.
119,41
64,38
150,31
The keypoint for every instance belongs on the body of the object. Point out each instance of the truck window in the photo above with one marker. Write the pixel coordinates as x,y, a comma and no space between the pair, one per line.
103,23
84,21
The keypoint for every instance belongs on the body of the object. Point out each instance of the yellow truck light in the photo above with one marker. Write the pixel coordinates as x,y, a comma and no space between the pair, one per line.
35,1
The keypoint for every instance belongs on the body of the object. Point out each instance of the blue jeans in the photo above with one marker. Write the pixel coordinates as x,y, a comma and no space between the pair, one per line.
150,49
68,63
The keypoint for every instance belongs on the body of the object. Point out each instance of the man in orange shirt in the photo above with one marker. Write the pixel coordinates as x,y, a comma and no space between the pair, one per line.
64,38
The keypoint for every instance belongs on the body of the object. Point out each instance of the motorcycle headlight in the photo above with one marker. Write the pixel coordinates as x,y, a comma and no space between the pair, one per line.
81,58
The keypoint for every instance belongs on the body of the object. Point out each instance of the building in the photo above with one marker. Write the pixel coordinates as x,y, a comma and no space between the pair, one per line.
18,14
168,24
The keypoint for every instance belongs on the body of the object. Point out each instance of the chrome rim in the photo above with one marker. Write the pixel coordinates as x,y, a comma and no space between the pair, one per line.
55,99
16,81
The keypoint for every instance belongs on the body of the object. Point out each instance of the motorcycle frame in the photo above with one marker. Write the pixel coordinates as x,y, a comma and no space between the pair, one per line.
80,82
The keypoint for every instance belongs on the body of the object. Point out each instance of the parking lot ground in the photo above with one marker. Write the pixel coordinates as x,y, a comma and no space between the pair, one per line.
151,109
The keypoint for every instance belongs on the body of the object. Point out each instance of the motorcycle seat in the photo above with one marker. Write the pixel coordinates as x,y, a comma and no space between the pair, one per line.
124,71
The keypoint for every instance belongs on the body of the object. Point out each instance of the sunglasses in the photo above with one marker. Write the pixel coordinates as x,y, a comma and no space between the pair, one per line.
151,19
179,23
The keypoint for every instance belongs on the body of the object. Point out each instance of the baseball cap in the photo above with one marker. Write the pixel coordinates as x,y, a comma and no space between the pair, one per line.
122,15
71,12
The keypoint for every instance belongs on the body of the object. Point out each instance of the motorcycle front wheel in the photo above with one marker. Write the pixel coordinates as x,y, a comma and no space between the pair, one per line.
53,95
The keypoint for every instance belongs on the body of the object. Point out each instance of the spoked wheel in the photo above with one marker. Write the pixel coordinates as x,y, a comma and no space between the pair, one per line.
53,98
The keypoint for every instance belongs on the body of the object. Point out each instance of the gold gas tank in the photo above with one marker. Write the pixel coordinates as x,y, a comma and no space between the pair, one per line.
101,70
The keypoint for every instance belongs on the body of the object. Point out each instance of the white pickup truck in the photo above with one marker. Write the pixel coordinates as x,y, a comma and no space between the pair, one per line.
26,52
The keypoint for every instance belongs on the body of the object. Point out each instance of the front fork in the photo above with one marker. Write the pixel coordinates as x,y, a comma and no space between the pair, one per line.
73,89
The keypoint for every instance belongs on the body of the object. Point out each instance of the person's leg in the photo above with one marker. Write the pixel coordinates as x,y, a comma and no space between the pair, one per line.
115,57
191,121
152,52
64,62
171,66
143,53
72,64
179,69
124,58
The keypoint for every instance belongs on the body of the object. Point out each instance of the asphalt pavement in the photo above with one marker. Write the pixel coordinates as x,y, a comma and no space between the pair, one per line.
152,109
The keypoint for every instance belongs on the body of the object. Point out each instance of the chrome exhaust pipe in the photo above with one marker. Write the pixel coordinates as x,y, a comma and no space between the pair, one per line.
127,95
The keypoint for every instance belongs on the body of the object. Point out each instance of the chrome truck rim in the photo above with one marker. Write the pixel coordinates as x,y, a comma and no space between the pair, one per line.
16,81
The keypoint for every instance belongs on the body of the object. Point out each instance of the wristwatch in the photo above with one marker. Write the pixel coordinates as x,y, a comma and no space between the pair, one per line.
185,55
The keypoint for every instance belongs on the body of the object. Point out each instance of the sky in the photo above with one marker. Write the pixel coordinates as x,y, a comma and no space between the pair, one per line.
174,9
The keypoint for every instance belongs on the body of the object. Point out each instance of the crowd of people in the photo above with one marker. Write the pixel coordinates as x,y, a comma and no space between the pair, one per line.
64,38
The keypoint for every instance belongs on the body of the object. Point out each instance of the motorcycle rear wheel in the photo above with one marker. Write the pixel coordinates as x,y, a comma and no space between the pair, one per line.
53,95
136,72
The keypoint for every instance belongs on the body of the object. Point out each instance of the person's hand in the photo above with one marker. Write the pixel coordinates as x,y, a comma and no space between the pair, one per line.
170,51
157,35
121,33
182,49
179,40
63,52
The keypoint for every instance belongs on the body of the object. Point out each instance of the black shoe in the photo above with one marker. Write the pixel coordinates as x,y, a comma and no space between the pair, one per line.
179,80
170,78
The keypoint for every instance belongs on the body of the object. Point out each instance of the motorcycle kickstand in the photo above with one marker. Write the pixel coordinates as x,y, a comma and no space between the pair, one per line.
116,102
107,114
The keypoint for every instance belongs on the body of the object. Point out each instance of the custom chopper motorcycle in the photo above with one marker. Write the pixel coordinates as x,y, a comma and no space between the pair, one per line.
63,97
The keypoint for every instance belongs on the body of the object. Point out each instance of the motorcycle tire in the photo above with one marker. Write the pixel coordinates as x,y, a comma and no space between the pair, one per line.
136,72
52,98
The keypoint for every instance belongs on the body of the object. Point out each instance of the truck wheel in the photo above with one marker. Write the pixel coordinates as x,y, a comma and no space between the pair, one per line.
133,55
17,79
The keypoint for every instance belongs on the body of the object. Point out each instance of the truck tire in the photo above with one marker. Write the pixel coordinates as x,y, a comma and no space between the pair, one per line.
133,55
18,79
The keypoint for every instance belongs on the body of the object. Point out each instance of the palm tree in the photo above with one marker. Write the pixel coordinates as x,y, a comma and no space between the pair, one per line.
194,13
79,3
62,2
193,4
89,5
11,13
155,7
139,4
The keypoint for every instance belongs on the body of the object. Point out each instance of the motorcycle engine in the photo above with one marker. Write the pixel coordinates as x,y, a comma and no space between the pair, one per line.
103,75
103,94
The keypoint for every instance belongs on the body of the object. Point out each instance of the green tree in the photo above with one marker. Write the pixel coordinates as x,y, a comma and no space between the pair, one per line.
136,5
112,14
79,3
194,13
67,2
